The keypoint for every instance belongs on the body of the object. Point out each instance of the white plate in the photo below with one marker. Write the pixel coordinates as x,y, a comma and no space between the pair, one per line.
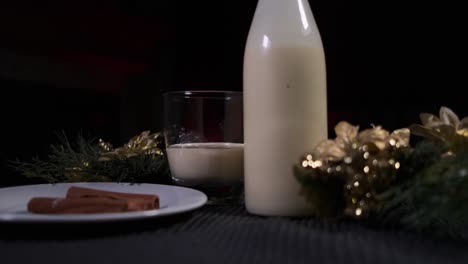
172,199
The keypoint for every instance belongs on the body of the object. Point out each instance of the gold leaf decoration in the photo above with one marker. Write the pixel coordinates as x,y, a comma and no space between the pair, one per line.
145,143
447,128
345,133
376,136
329,150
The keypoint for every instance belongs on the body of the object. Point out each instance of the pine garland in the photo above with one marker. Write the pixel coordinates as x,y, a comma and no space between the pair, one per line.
86,160
431,195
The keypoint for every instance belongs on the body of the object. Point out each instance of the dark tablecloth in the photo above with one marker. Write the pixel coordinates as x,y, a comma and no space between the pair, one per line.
221,234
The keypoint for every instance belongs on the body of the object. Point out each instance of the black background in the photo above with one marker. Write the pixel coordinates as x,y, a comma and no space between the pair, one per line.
101,66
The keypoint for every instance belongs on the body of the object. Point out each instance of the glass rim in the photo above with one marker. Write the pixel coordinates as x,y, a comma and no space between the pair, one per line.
219,94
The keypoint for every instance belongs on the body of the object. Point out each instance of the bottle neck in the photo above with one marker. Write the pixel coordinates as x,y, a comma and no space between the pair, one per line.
285,12
301,4
284,22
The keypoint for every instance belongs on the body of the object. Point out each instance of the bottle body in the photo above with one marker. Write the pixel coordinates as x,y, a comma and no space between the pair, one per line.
285,104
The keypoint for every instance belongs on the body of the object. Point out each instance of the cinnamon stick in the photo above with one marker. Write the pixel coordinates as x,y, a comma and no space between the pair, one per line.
81,200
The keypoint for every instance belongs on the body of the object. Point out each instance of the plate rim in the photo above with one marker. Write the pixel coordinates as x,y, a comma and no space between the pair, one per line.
103,217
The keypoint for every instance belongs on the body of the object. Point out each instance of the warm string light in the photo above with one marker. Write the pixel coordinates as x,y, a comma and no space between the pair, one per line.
309,162
360,189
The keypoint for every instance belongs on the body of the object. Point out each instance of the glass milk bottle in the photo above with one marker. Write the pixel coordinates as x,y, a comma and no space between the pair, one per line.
285,104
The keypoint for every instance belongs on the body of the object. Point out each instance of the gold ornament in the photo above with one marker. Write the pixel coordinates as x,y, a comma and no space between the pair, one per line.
145,143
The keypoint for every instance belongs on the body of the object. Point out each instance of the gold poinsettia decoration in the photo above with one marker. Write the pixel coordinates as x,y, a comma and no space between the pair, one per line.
351,175
447,129
361,162
348,138
444,127
145,143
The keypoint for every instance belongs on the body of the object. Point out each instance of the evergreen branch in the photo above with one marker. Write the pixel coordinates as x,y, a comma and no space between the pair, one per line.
80,162
431,196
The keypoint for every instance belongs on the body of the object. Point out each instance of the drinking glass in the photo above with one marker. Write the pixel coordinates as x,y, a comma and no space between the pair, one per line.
204,139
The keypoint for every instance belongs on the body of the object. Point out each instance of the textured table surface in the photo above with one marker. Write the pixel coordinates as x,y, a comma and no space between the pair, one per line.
221,234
